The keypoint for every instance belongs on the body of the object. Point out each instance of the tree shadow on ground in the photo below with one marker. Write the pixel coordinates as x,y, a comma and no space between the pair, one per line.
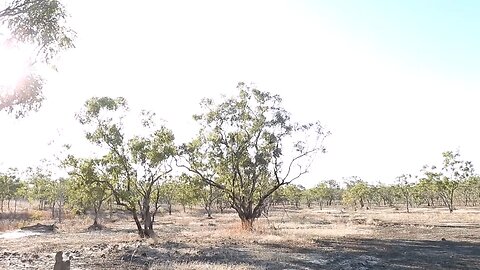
401,254
343,253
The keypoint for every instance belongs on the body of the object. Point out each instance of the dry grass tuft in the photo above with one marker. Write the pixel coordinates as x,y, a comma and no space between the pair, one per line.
201,266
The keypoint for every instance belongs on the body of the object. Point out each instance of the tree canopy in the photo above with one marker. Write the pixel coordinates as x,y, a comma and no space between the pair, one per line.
38,26
248,147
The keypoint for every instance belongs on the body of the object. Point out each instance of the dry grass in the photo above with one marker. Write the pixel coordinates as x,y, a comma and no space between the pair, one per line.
200,266
287,239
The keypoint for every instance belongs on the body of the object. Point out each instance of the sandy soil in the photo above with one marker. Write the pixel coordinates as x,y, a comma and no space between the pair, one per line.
289,239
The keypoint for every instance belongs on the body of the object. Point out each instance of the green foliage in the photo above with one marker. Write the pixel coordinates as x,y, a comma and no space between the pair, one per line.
248,147
385,194
454,171
326,192
187,191
168,193
357,192
405,187
39,25
26,97
294,194
11,188
138,165
41,187
86,189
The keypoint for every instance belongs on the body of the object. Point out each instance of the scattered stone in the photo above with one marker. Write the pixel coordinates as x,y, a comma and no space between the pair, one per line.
59,263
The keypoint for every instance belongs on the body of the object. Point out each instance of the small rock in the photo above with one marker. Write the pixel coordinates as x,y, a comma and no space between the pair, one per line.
443,239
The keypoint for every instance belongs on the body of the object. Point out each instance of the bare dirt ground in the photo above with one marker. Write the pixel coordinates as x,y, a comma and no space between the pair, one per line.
289,239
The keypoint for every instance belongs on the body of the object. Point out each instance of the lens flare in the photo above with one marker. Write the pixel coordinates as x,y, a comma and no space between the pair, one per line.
14,66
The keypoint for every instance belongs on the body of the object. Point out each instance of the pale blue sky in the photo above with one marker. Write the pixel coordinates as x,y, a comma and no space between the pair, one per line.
394,81
441,35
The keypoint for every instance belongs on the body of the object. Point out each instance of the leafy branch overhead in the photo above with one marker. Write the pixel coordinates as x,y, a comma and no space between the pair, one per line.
38,26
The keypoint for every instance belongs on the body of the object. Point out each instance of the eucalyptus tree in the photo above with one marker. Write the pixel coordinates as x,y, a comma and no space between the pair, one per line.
357,192
208,195
386,194
41,187
405,186
167,194
470,190
326,192
137,165
321,194
187,191
455,171
8,186
294,194
38,26
248,147
426,190
309,197
87,189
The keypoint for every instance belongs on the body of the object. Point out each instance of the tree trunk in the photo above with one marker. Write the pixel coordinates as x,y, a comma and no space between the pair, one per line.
53,210
59,212
208,209
148,219
247,224
408,209
110,208
95,218
450,206
148,226
141,233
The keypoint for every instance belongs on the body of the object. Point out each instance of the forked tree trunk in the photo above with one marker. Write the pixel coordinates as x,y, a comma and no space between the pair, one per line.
148,222
247,224
208,209
140,231
148,226
96,210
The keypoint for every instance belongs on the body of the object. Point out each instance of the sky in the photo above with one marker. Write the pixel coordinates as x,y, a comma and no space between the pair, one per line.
395,82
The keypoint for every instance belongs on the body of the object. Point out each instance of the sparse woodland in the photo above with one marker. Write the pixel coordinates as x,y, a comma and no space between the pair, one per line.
229,196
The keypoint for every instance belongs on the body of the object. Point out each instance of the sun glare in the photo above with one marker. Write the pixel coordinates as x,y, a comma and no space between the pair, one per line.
13,67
